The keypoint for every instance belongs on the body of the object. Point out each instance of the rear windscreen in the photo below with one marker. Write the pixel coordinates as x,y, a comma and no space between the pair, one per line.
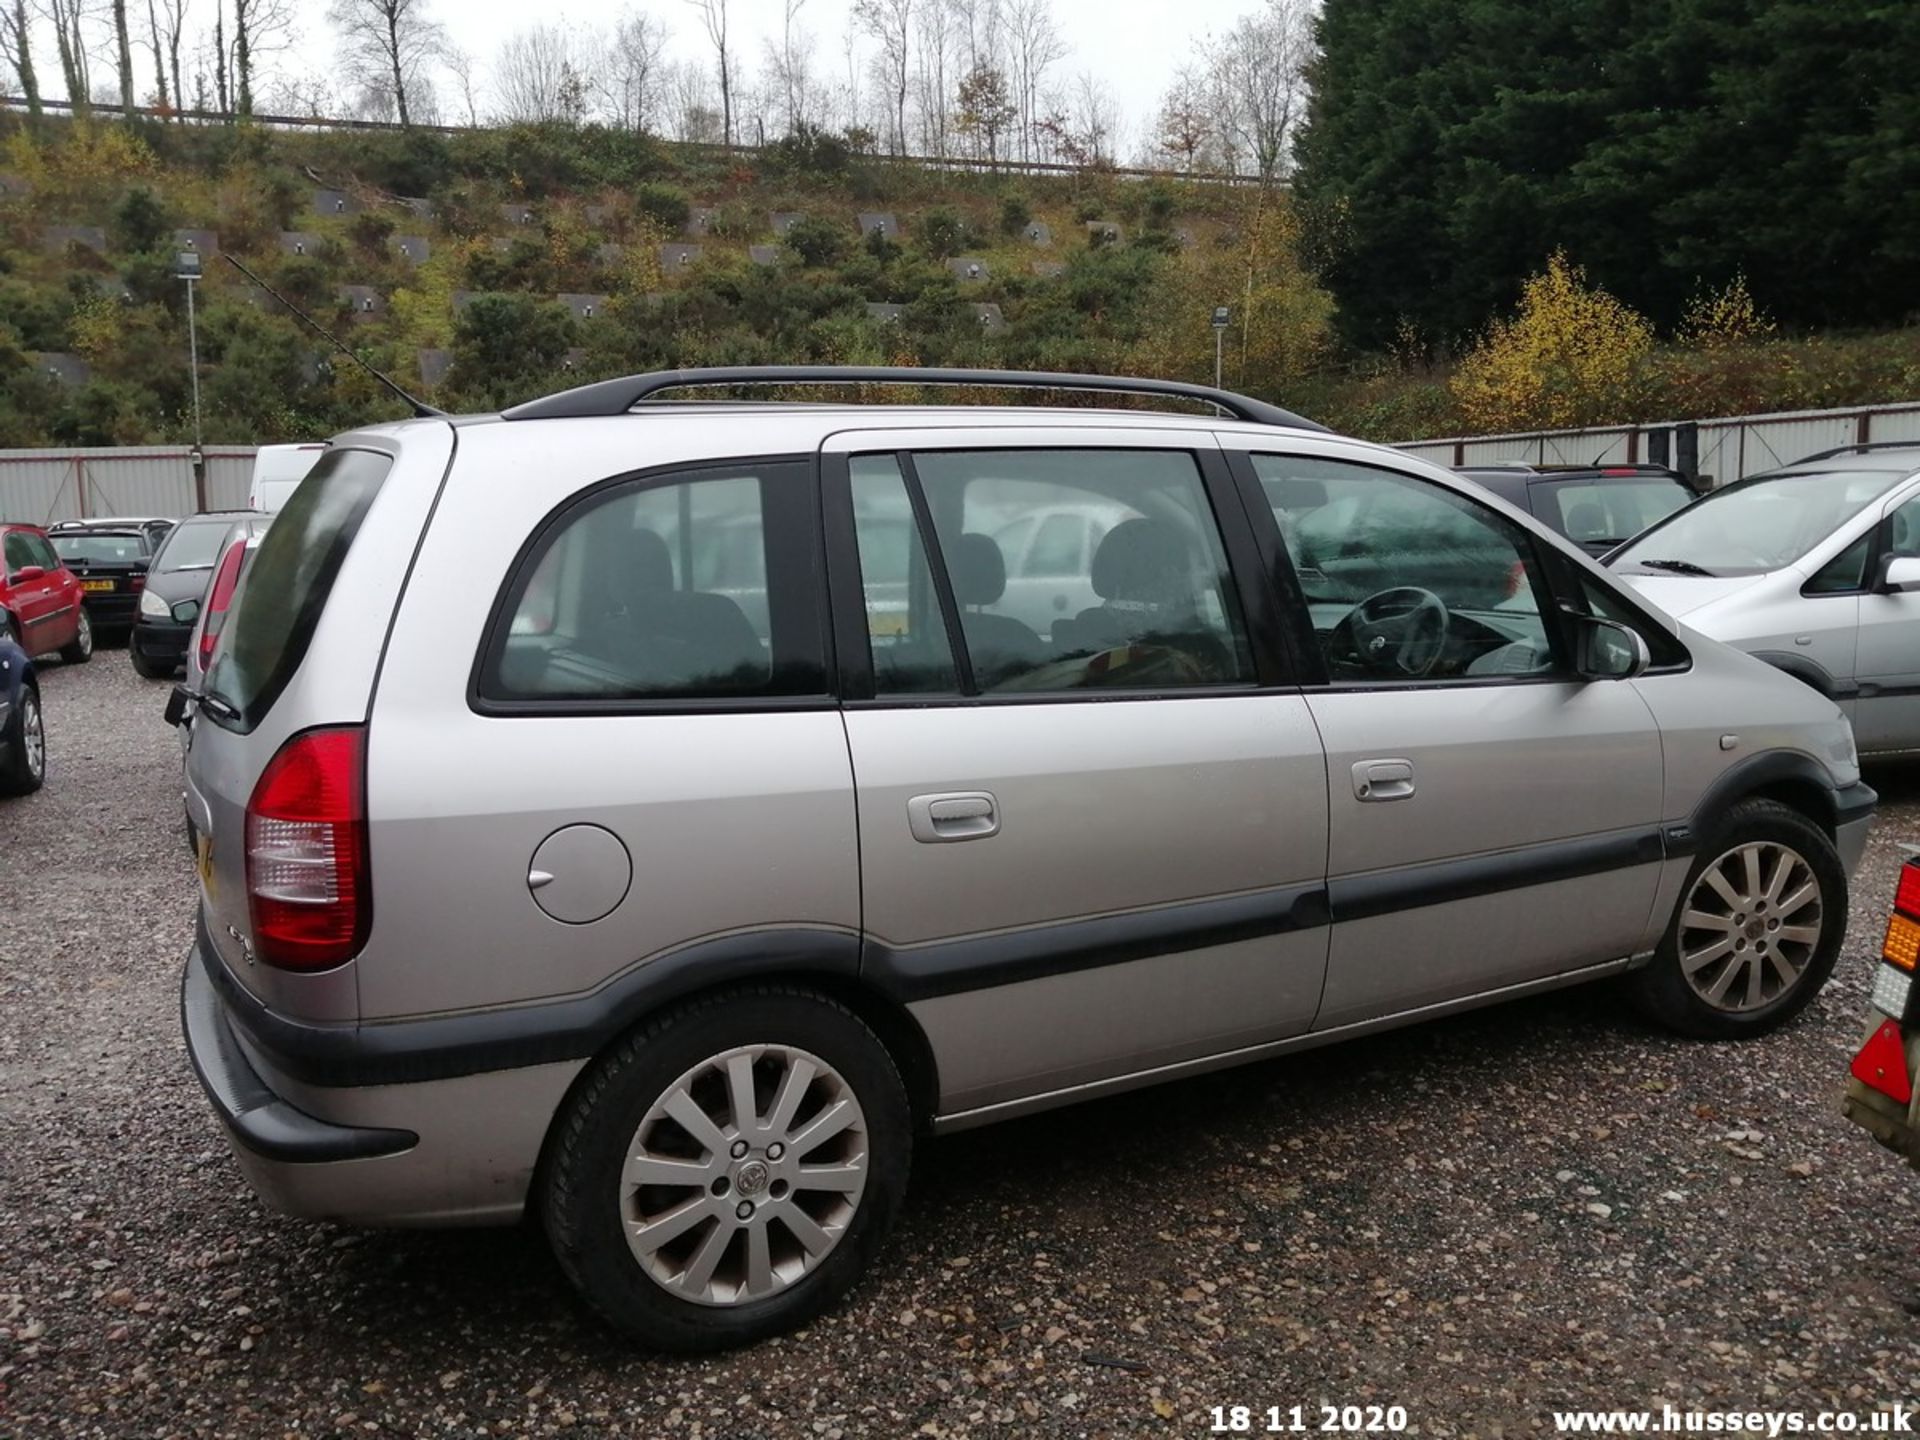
100,548
287,583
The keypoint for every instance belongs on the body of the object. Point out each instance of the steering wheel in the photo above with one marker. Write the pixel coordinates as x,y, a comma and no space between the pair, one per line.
1400,631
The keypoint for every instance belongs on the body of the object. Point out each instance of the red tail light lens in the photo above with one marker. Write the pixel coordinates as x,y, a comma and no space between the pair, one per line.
307,886
1907,898
219,597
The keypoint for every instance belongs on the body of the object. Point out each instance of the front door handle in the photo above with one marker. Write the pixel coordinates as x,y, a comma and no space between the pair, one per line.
958,815
1383,780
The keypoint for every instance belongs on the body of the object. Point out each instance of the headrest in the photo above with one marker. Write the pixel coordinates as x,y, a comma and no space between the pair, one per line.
1141,561
977,569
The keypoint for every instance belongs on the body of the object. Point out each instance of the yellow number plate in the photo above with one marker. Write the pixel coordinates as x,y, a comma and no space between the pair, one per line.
96,585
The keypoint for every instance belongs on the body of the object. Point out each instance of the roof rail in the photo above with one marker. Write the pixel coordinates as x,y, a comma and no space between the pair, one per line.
617,397
1860,447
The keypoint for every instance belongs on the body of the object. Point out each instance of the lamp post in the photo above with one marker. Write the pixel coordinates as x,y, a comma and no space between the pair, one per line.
1220,319
187,267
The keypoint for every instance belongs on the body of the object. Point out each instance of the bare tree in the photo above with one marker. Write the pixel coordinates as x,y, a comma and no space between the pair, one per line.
634,81
890,24
260,27
159,57
935,29
1034,47
69,19
790,64
123,54
1096,117
385,49
222,86
169,33
462,65
540,76
1258,74
694,117
713,20
16,49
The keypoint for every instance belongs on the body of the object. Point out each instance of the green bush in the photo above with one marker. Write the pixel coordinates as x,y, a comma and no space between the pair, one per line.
943,232
141,223
1014,214
817,240
663,204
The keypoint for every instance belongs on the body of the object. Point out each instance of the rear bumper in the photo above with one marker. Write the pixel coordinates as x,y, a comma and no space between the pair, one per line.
260,1122
111,610
443,1152
161,640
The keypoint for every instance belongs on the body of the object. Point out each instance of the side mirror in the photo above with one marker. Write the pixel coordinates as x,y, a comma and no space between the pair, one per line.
1899,574
1609,650
179,705
186,611
29,572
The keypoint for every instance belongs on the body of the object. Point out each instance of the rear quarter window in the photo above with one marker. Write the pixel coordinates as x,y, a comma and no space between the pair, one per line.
287,585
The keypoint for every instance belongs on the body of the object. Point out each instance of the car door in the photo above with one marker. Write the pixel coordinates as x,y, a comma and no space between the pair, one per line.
1089,849
1493,819
35,601
65,593
1886,714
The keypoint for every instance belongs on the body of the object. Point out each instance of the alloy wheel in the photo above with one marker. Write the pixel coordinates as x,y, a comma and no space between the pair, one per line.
33,735
744,1175
83,637
1750,926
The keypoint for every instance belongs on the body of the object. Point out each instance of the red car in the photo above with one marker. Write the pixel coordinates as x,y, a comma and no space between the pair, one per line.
39,597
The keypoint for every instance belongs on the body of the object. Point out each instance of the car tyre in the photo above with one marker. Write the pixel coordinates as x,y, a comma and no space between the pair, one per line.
80,650
146,668
25,768
1757,929
822,1205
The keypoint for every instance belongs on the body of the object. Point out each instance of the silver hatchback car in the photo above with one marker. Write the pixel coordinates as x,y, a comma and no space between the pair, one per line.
655,815
1816,569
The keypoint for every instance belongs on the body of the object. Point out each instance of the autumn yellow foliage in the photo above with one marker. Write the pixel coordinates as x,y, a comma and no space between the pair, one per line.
1571,355
1722,319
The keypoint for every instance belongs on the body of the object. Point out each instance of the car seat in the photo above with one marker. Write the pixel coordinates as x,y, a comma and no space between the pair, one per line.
999,645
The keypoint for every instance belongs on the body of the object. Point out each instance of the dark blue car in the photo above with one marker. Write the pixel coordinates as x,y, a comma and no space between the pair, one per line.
23,735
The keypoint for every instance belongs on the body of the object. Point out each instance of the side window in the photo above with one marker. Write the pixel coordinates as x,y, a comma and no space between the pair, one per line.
17,552
43,553
905,632
1148,605
702,588
1903,530
1846,572
1405,579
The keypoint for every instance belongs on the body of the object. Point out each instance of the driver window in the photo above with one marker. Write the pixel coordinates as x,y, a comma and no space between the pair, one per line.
1406,580
1903,531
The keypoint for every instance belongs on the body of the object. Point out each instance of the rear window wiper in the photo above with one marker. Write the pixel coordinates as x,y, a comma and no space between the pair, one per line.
1678,567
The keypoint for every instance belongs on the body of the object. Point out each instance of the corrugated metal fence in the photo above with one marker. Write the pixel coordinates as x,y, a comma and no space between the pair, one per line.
1730,448
39,487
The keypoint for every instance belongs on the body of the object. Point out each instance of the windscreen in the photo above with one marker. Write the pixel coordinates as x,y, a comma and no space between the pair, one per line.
192,545
1756,525
99,548
287,584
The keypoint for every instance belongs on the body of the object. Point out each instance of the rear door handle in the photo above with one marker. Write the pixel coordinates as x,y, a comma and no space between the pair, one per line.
1383,780
958,815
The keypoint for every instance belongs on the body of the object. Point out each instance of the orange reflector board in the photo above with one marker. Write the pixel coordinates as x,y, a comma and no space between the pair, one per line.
1882,1064
1902,945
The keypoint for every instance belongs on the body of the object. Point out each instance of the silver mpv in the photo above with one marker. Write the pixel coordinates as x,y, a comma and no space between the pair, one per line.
657,814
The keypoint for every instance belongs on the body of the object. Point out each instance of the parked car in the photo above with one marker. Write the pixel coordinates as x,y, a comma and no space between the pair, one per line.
1815,569
1879,1088
537,874
111,562
1598,507
277,471
175,587
238,547
40,599
23,732
155,527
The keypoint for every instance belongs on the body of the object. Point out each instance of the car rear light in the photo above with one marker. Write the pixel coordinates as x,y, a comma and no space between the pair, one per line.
136,582
1900,950
1902,945
307,884
1882,1064
225,580
1906,899
1891,990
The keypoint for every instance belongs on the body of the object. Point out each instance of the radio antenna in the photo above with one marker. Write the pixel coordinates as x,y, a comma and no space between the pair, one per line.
419,407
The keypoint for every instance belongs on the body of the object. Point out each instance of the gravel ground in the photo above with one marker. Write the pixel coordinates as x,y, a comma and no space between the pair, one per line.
1483,1220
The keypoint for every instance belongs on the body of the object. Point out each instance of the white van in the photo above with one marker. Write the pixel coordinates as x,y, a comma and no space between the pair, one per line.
277,469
